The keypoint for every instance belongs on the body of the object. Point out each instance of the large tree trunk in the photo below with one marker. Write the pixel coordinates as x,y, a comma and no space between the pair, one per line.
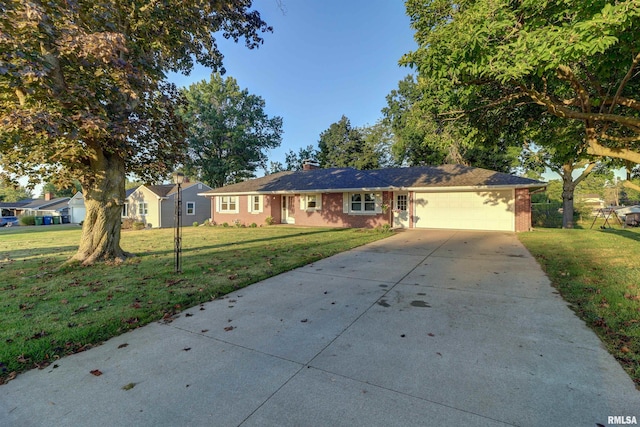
568,188
104,195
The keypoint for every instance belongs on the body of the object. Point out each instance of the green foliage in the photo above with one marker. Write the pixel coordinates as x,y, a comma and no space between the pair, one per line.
253,225
344,146
27,220
426,134
195,223
269,220
575,60
228,131
138,225
11,193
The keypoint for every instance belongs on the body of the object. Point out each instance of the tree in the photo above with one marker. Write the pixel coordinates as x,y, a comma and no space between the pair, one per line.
11,193
576,60
68,191
343,146
551,144
83,93
227,131
424,134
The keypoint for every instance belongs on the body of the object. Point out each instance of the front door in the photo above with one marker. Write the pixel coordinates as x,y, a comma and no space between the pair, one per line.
288,209
401,210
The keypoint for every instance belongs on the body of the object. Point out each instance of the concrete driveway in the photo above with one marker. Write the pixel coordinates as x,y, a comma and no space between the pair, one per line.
425,328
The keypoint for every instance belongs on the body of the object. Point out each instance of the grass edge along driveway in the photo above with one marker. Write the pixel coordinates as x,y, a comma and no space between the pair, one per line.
598,273
48,312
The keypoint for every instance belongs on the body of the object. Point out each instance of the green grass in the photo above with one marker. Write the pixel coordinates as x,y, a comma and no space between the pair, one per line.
598,272
49,312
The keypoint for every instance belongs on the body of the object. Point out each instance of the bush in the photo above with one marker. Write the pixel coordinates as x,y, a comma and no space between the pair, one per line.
27,220
225,224
237,223
137,225
254,225
127,223
195,223
269,220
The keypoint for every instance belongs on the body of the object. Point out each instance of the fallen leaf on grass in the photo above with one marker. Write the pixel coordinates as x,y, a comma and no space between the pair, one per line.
96,372
625,349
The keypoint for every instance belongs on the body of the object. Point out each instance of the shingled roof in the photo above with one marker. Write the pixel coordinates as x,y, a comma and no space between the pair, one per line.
347,179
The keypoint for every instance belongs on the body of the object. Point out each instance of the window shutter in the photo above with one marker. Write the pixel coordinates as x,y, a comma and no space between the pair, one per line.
260,203
345,202
319,201
249,203
378,203
303,202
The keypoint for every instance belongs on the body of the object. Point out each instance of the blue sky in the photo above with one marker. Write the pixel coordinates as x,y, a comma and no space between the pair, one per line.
323,60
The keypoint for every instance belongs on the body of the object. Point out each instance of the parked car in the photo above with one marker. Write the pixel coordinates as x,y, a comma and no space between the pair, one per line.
8,221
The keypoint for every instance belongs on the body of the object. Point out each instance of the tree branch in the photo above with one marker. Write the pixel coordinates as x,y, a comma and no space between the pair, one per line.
560,110
624,81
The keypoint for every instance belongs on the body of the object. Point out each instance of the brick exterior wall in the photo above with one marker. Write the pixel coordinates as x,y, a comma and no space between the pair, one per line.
330,215
523,209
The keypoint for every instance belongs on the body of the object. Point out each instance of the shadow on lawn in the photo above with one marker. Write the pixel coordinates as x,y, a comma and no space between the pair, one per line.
633,235
243,242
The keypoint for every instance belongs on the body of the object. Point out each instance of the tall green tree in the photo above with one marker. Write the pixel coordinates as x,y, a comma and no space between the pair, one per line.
13,193
426,134
342,145
228,131
574,59
84,95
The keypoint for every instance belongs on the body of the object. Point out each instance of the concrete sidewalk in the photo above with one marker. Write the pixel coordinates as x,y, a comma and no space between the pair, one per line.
425,328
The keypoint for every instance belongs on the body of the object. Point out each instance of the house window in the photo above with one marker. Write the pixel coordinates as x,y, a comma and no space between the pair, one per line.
310,201
191,208
254,203
401,202
142,208
363,202
228,204
125,210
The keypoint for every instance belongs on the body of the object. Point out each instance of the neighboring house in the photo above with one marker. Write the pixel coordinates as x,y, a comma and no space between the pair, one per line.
155,204
12,208
593,201
449,197
49,206
77,209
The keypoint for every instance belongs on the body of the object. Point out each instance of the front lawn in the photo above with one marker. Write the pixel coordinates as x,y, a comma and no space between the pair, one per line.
598,272
48,313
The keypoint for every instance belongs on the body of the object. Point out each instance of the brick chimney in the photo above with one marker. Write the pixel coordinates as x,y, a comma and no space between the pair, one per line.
48,195
309,164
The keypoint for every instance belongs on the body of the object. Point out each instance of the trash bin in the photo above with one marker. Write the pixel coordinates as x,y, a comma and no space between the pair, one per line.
56,220
47,220
66,219
39,220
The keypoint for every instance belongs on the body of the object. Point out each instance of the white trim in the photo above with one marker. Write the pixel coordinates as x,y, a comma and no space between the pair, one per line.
304,201
186,208
251,208
226,211
347,203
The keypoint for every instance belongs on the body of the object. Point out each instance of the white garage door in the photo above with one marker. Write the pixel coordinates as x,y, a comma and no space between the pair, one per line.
468,210
77,214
